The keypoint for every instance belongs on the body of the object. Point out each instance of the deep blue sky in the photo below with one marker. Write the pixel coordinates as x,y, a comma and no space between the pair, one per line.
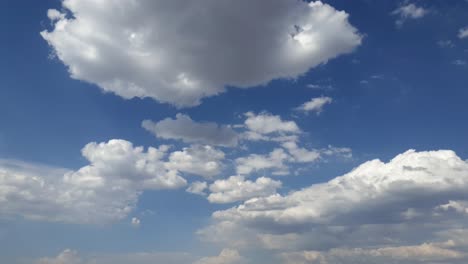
399,90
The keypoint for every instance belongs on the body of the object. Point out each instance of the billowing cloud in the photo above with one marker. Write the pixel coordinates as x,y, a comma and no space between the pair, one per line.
463,33
315,104
181,51
204,161
409,11
411,209
105,190
185,129
236,188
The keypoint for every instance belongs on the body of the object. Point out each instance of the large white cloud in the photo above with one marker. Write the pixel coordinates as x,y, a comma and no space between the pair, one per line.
105,190
412,209
185,129
181,51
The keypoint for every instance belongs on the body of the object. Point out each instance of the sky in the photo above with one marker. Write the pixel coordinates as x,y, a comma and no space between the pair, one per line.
226,132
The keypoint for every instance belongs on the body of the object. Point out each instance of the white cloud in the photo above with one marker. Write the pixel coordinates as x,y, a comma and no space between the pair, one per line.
399,211
315,104
204,161
409,11
227,256
463,33
185,129
105,190
198,188
266,123
301,154
256,162
181,51
423,253
236,188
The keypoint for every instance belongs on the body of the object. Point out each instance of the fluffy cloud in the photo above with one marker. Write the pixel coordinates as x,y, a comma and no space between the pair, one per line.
105,190
182,51
315,104
227,256
236,188
463,33
256,162
411,209
66,257
409,11
185,129
266,123
204,161
135,222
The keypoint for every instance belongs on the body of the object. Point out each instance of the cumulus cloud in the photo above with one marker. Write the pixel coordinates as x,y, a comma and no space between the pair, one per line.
410,209
255,162
409,11
227,256
315,104
236,188
182,51
66,257
105,190
265,123
185,129
135,222
204,161
463,33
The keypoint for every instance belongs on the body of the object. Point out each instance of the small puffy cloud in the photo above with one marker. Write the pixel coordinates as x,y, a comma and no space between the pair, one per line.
266,123
255,162
204,161
409,11
198,188
236,188
105,190
463,33
179,53
301,154
227,256
315,104
135,222
185,129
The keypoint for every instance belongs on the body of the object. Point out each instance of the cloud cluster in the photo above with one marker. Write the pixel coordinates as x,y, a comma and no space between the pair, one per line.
412,209
182,51
105,190
315,104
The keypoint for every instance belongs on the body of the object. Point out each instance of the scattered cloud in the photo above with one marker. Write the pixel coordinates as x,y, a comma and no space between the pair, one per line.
255,162
227,256
265,123
185,129
459,62
315,104
202,51
463,33
409,11
136,222
445,44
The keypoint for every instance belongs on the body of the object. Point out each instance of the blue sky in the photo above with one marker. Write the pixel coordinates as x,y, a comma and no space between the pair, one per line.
253,102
